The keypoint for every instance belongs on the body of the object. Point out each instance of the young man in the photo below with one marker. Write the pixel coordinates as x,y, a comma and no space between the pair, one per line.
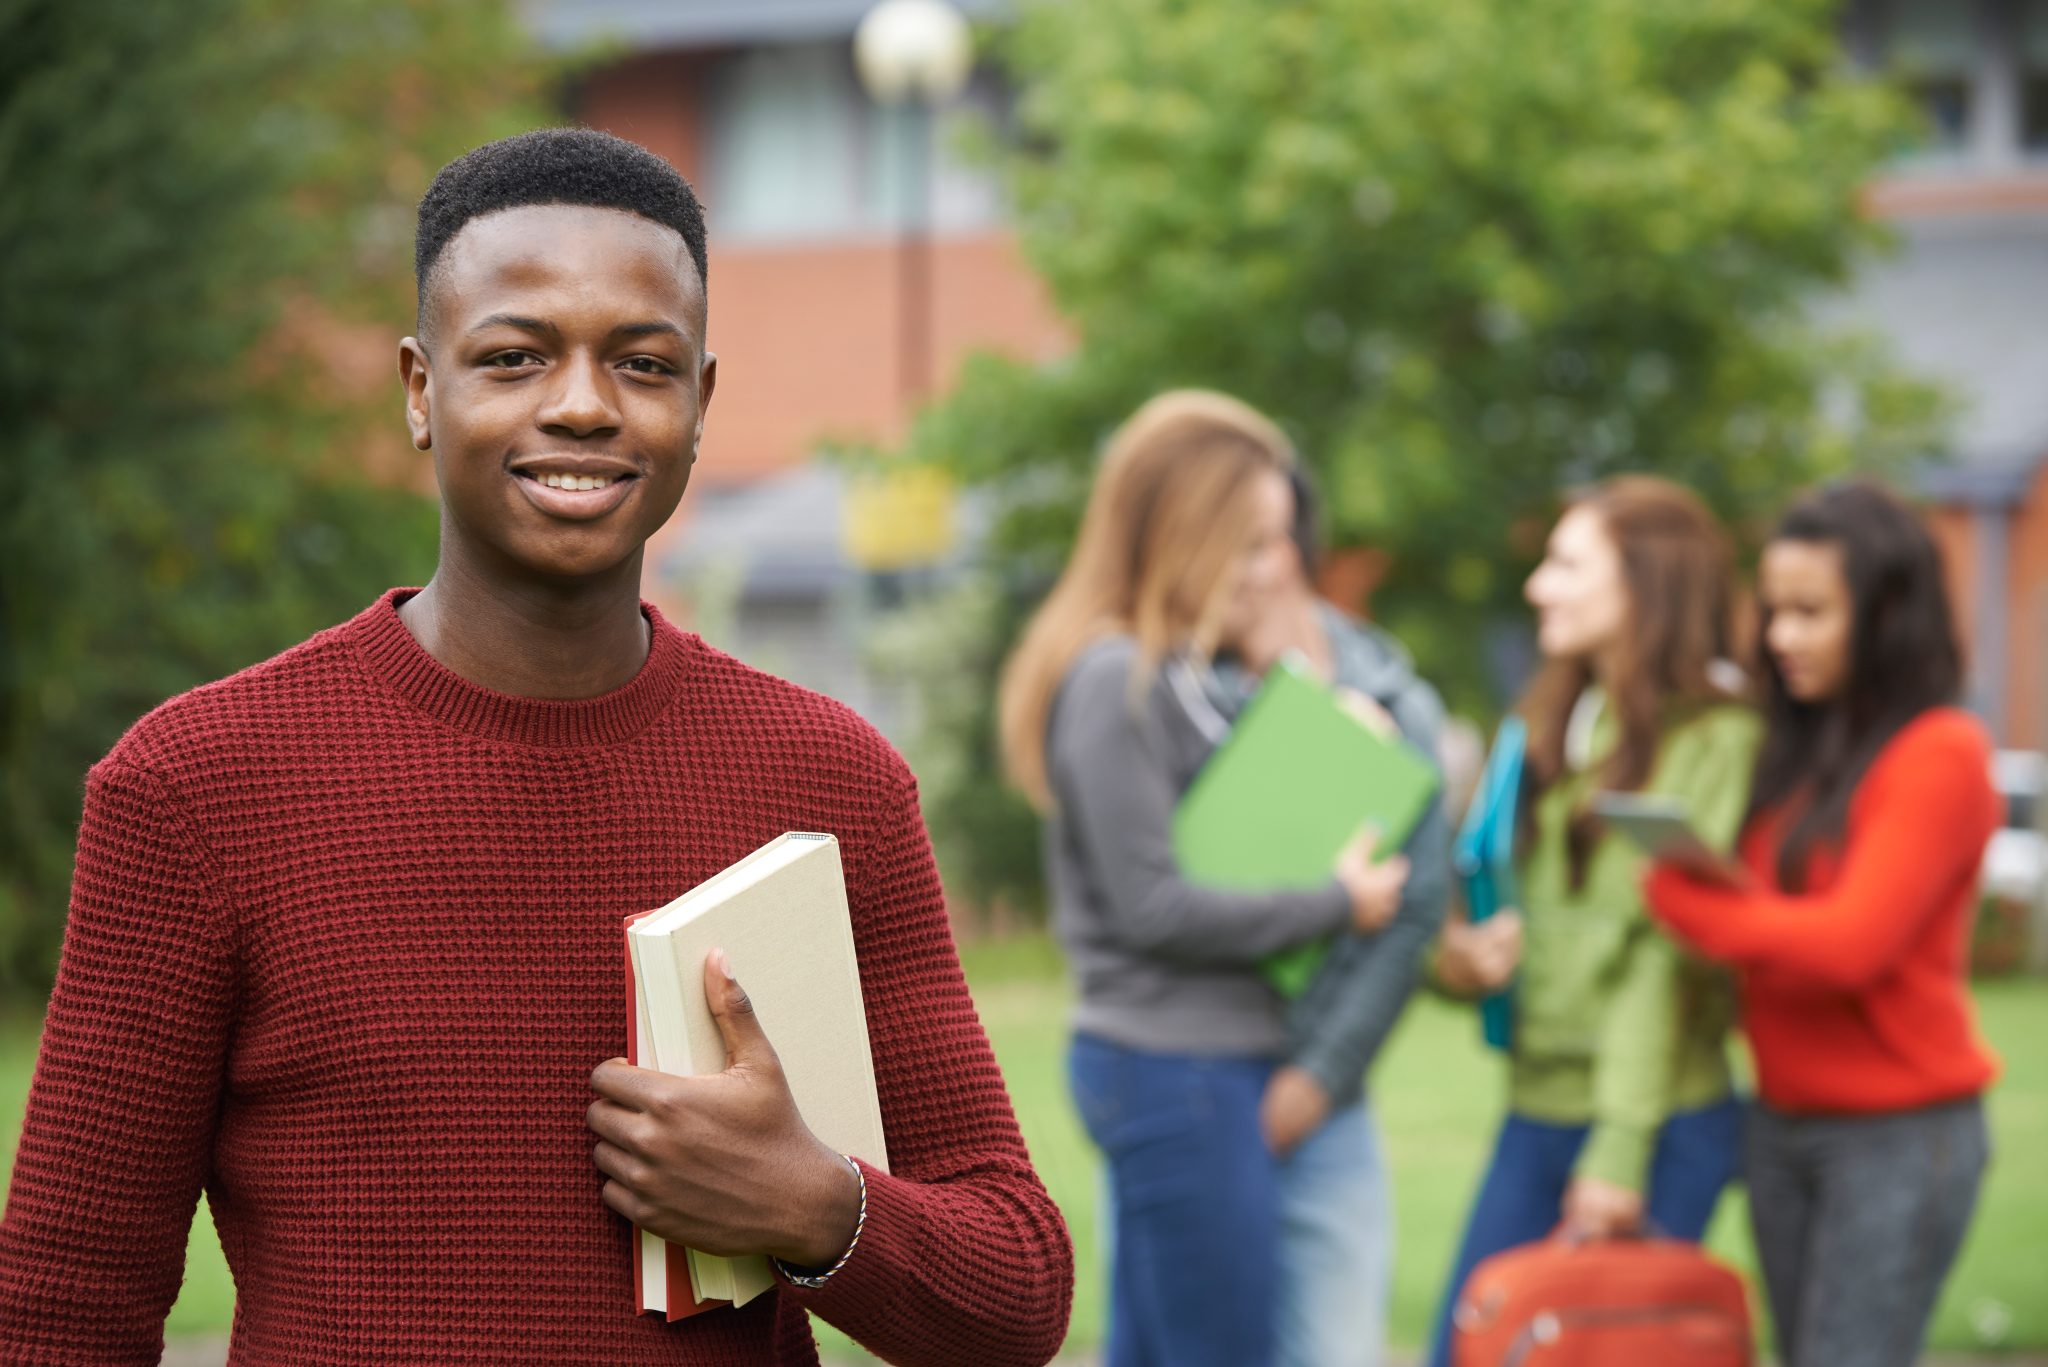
1336,1218
344,946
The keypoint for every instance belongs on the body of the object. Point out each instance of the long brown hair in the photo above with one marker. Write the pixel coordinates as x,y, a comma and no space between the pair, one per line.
1684,615
1903,660
1156,556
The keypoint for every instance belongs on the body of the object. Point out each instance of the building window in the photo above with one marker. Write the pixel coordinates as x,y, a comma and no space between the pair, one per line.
1932,44
2033,50
785,145
797,151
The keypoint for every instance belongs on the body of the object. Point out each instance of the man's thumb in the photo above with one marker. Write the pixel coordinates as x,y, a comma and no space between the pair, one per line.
745,1041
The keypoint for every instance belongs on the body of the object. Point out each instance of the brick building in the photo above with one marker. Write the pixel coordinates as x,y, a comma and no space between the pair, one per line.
758,103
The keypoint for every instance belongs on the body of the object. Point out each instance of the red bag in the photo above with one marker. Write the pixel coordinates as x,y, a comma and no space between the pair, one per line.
1605,1303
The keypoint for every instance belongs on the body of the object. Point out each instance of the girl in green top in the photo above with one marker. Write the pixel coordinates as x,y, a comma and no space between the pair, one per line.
1619,1100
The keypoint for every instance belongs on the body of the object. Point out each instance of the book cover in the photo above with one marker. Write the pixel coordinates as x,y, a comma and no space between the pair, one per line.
1292,785
781,916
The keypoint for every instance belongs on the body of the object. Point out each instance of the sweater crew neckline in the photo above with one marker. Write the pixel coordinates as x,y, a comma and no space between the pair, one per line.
388,648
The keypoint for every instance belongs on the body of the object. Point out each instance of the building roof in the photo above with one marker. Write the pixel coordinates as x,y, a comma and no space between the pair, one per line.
675,27
1963,303
785,535
778,536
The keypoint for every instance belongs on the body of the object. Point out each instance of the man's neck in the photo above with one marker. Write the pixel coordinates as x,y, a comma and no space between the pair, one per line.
533,641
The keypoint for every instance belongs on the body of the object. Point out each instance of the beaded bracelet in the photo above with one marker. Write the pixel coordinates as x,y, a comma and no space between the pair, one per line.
812,1283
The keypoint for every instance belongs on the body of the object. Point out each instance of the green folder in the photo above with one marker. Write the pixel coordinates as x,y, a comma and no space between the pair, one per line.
1291,785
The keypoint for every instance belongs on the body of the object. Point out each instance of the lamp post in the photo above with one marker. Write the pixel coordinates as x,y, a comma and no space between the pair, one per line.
913,56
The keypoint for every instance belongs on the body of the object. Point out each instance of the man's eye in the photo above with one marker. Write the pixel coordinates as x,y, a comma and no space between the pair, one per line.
649,365
509,360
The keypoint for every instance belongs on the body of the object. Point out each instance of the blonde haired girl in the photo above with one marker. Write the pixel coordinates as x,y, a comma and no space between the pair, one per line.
1184,550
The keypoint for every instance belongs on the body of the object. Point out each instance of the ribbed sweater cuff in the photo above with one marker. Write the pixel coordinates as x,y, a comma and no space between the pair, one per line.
888,1244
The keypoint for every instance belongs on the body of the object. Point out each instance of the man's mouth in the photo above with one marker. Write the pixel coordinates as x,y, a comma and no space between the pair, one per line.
559,489
555,481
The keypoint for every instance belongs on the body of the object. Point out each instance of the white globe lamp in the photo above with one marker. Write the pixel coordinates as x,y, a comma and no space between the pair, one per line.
913,50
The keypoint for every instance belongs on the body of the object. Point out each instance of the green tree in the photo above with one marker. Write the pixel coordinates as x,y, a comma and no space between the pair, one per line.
202,202
1469,252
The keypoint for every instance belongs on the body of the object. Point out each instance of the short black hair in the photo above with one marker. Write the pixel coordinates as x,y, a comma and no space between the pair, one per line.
554,166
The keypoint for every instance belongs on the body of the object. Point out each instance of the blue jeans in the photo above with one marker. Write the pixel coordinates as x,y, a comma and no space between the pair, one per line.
1522,1198
1336,1247
1194,1201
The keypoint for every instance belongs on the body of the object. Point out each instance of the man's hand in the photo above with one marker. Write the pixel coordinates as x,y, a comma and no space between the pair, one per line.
1294,1106
1477,961
722,1163
1594,1209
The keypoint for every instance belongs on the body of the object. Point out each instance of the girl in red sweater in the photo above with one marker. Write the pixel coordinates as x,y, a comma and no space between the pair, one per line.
1872,805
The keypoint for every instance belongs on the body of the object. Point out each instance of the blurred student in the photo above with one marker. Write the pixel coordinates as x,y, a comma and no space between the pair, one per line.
1336,1211
1872,806
1620,1104
1183,551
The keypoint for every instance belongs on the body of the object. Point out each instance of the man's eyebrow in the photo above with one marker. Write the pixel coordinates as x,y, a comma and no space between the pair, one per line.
524,324
653,329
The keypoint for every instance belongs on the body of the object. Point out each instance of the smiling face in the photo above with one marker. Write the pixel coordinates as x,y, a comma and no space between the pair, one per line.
1579,592
1268,567
561,383
1809,617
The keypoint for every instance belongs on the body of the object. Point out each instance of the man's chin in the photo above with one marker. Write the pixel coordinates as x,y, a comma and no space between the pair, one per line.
571,570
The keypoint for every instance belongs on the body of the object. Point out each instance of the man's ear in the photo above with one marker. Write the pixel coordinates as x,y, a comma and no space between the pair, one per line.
707,380
415,372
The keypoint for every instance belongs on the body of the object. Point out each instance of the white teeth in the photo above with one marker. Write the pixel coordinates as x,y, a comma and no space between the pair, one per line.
577,481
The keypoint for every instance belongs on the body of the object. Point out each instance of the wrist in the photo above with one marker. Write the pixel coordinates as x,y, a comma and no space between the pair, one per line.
1312,1074
829,1218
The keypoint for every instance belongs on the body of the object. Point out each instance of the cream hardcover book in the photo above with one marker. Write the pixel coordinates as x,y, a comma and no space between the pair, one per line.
781,916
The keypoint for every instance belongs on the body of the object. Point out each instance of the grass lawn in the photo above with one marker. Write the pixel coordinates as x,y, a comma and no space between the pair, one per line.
1437,1093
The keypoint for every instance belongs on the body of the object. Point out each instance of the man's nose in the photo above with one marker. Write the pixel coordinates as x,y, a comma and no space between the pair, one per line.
581,400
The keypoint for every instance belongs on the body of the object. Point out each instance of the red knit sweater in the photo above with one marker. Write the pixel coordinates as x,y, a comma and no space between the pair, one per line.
343,952
1853,991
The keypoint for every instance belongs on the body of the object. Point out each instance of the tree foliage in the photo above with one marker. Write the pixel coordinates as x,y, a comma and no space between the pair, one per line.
1470,252
205,203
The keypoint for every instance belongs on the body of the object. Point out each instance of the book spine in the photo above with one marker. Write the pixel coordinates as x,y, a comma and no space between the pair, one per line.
657,1263
641,1253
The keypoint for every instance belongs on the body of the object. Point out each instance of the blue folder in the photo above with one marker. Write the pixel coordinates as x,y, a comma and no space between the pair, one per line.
1485,858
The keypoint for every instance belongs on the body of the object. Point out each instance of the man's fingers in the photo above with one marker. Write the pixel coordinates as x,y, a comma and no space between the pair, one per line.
1365,842
619,1165
619,1081
615,1124
746,1043
628,1203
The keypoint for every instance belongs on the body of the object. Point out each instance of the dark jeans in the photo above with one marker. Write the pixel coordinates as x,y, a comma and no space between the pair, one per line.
1858,1220
1194,1203
1522,1198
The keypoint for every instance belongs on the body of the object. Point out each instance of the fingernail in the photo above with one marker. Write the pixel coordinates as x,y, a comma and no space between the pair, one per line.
722,964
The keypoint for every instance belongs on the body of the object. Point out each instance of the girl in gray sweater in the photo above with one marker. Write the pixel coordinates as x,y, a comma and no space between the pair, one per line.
1184,551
